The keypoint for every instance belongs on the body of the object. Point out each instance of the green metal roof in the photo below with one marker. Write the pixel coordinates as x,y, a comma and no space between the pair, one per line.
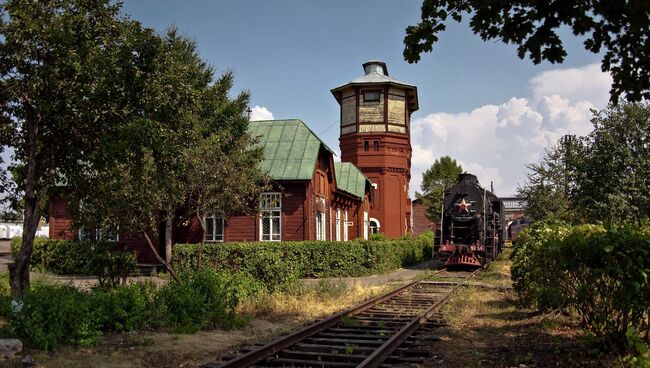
290,148
350,179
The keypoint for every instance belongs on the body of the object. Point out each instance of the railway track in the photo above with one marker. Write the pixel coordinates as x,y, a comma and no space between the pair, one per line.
388,330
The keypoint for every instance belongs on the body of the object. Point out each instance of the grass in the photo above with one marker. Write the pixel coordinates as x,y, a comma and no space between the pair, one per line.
310,302
488,328
270,316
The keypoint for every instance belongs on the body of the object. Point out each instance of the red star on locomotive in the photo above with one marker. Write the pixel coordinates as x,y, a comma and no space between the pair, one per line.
462,206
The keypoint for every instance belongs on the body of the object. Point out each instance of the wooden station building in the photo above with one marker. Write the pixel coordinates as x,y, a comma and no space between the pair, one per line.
313,197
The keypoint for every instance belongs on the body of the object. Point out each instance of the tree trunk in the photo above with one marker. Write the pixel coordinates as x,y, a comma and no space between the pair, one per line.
167,266
199,261
19,270
168,238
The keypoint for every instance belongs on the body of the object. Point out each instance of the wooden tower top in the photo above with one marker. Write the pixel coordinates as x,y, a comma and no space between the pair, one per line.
375,102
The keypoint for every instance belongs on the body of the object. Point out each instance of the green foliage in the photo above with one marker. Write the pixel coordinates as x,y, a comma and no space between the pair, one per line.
125,308
614,165
200,299
549,185
600,272
72,72
275,264
52,315
618,32
49,316
442,174
106,260
600,177
378,236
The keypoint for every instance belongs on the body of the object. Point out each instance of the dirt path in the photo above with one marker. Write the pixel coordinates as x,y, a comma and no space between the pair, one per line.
487,328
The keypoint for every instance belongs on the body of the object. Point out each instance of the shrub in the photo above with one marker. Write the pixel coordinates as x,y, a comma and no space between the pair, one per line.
53,315
600,272
125,308
378,237
107,260
200,299
49,316
279,264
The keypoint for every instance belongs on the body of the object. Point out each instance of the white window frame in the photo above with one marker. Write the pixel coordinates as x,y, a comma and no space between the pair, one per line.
345,226
270,208
365,225
338,224
320,225
215,238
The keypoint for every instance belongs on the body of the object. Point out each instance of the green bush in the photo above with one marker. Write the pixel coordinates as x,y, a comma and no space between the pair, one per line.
49,316
600,272
200,299
125,308
276,264
52,315
107,260
378,236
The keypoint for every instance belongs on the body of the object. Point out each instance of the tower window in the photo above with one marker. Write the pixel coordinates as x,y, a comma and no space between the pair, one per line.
372,96
375,145
366,146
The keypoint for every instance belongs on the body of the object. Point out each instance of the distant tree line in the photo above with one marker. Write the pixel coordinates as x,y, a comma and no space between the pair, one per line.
131,124
601,177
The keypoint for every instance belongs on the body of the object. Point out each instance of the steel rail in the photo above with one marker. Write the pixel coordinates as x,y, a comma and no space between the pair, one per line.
373,360
384,351
275,346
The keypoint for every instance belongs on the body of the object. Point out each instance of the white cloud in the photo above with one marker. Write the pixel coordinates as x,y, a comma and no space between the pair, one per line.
496,142
261,113
587,83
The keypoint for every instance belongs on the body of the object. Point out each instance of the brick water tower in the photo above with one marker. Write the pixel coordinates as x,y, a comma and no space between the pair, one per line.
375,136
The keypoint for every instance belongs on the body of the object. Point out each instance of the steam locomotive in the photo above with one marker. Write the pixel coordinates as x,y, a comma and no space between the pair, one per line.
471,232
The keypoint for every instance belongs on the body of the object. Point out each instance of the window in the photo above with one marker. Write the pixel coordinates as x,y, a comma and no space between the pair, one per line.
270,217
338,224
345,226
371,96
213,228
374,226
375,145
109,233
366,146
320,226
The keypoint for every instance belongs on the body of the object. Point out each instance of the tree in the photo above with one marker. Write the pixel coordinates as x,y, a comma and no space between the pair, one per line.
140,177
442,174
550,184
65,77
225,178
223,150
619,28
613,173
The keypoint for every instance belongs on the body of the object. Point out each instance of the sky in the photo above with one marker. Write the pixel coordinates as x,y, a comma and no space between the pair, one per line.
479,103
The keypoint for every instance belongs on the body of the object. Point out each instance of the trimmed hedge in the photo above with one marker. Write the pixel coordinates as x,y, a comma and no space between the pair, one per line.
600,272
107,260
270,262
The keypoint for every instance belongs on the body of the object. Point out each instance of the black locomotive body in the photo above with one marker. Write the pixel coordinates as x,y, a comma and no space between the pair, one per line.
472,225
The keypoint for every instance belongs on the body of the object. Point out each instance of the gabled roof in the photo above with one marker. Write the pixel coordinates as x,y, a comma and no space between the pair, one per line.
290,148
350,179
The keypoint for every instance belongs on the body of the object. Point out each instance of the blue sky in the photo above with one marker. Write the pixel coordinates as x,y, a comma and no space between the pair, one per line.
478,101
